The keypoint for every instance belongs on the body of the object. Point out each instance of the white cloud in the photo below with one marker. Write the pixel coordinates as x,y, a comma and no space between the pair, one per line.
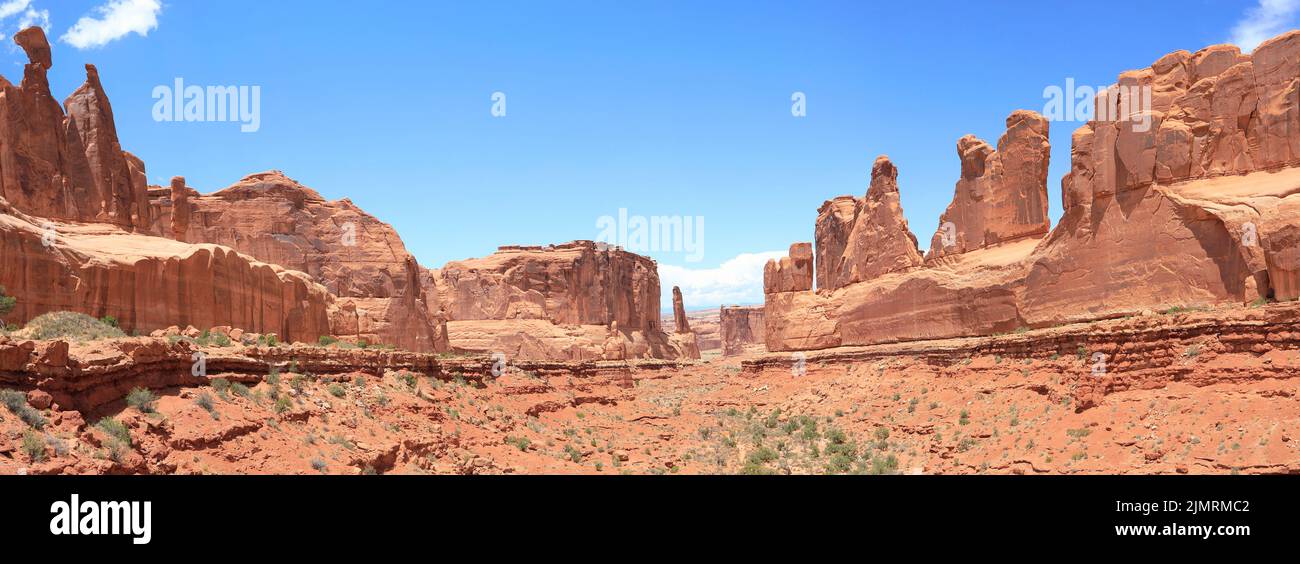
114,20
1262,22
28,16
737,281
12,7
34,17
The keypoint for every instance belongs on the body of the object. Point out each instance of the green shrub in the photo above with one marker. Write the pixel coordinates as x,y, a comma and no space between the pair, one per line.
16,401
221,385
318,465
70,325
761,455
282,404
884,465
115,429
520,443
109,321
34,445
7,302
337,391
326,340
141,399
205,401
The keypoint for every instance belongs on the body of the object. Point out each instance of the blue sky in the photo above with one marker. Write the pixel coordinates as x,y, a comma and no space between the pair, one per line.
662,108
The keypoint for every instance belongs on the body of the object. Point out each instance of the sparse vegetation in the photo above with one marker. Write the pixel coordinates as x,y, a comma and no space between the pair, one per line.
70,326
141,399
33,445
16,402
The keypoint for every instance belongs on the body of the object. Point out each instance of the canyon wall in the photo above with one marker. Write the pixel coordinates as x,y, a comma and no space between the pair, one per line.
1188,200
740,326
75,220
569,287
151,283
357,257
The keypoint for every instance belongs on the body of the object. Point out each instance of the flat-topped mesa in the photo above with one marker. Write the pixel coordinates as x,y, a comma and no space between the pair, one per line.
1002,194
357,257
560,302
861,239
65,166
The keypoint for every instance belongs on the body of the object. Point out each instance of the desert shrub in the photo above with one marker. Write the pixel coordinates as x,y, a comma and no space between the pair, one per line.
318,465
520,443
33,445
7,302
70,325
221,385
761,455
282,404
337,391
141,399
884,465
115,429
16,401
240,390
109,321
205,401
326,340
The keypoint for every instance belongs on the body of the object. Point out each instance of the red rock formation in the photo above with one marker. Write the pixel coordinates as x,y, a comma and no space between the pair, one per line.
793,273
150,283
67,167
740,326
1187,201
577,283
357,257
679,312
1002,194
571,287
873,240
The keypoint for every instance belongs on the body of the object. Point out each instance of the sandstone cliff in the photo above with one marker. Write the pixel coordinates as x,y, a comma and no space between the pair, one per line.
1002,194
740,326
150,283
1189,201
65,166
861,239
570,287
355,256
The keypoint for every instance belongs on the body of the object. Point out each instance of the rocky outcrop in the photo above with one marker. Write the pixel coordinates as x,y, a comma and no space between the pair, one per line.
1186,194
578,283
150,283
740,326
792,273
354,255
679,312
872,240
580,288
1002,194
65,166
